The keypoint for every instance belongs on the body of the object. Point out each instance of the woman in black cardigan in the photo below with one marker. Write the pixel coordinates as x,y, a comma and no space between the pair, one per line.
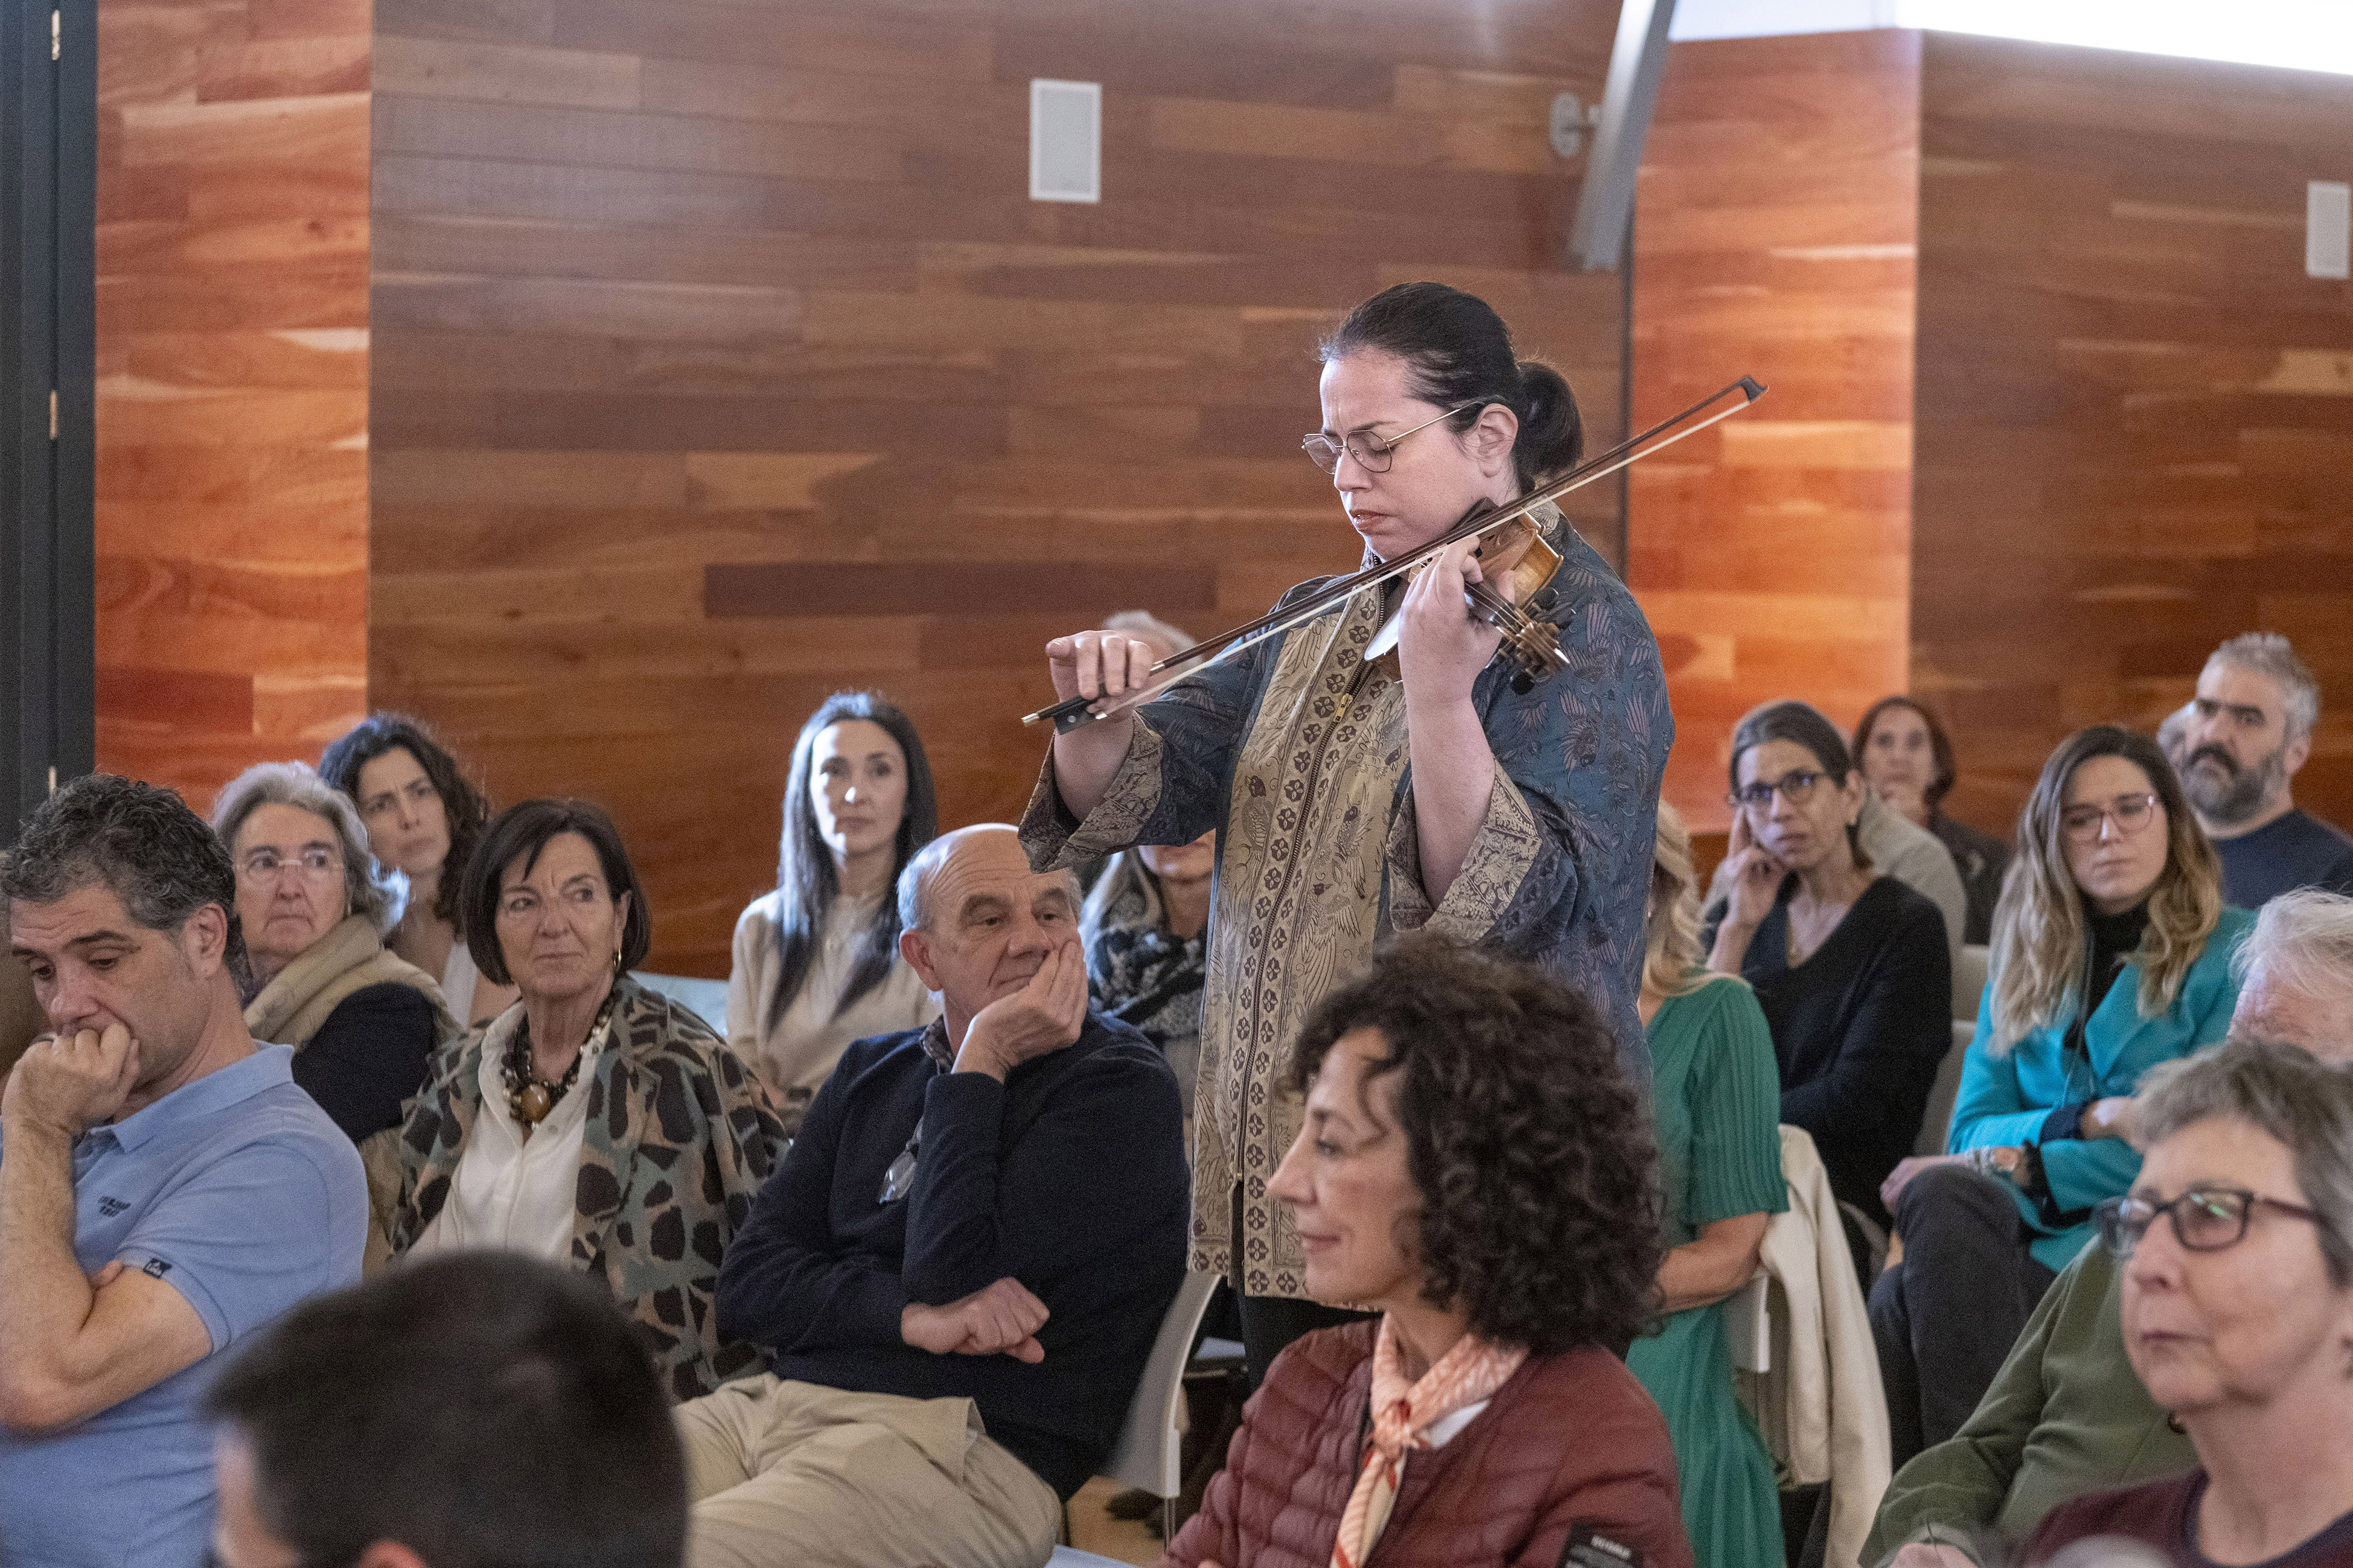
1851,967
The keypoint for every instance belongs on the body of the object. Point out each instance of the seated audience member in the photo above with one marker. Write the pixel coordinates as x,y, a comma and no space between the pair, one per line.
1886,838
423,819
1907,759
2112,952
1475,1166
2238,1313
480,1412
597,1124
165,1189
1146,924
1850,966
816,958
1714,1100
959,1268
314,906
2066,1416
2237,747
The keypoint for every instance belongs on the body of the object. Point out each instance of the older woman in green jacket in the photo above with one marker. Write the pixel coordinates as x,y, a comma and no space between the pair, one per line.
2112,952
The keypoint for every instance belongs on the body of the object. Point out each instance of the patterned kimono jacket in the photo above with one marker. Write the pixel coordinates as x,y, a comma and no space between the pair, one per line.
677,1144
1296,752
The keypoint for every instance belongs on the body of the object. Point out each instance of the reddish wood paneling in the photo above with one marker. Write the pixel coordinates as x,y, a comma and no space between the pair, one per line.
2136,412
672,298
1773,237
232,384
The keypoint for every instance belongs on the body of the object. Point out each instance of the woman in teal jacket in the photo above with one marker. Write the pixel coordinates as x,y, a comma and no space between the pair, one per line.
2111,953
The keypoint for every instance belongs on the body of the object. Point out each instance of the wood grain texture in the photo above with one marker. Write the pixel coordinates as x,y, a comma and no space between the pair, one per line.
1773,237
232,394
673,298
2136,412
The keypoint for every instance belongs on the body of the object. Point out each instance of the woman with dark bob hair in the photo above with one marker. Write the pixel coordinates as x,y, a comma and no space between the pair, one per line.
422,817
1908,759
1474,1164
596,1124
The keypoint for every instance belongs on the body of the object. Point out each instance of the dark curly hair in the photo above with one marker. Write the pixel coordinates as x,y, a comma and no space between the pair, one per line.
163,860
466,808
1532,1152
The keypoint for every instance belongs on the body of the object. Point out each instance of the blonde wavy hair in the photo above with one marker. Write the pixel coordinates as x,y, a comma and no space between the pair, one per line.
1671,927
2039,935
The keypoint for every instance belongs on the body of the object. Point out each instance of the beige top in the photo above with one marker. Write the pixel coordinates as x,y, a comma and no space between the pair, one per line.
794,1058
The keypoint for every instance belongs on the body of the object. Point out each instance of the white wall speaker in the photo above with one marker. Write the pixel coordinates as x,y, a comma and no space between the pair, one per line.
1065,140
2328,229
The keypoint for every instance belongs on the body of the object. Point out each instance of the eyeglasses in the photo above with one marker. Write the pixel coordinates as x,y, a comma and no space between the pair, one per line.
2130,813
2205,1219
1371,451
1796,786
264,865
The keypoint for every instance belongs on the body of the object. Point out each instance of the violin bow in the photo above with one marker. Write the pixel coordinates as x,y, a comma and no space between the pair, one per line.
1074,712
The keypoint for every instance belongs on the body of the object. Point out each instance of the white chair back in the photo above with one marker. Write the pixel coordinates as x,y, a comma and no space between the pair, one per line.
1149,1451
1748,1324
1968,982
1936,1120
706,999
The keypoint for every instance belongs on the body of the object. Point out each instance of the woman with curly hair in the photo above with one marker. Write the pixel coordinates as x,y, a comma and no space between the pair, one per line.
1474,1164
1716,1098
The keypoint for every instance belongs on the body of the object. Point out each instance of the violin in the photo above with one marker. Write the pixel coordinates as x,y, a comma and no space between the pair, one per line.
1521,557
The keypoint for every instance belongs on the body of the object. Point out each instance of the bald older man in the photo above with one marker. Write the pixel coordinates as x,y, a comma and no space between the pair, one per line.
2067,1414
958,1270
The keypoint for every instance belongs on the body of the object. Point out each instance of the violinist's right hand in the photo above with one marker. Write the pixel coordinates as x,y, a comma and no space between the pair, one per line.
1099,664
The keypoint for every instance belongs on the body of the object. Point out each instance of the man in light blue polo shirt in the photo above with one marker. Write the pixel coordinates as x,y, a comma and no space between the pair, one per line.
165,1189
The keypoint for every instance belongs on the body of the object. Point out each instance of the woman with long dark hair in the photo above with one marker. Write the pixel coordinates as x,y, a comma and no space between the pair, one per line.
422,817
1354,792
816,960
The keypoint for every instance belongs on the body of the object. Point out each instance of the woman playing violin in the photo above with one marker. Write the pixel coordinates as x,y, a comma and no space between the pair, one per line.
1354,798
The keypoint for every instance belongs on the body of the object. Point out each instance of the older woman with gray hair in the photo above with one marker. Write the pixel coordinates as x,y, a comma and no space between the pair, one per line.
2238,1312
314,907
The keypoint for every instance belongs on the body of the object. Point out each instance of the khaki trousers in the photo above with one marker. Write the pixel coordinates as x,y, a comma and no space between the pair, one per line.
791,1473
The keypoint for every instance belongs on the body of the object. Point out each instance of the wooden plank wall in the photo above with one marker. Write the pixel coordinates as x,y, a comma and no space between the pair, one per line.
1774,236
676,304
232,389
2136,412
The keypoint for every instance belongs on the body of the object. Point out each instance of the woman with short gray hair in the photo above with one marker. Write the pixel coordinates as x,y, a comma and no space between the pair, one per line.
2238,1311
314,906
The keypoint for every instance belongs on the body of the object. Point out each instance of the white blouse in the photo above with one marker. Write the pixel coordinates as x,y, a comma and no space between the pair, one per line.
510,1194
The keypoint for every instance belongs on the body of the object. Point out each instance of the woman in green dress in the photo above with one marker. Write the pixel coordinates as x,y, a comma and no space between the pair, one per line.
1717,1099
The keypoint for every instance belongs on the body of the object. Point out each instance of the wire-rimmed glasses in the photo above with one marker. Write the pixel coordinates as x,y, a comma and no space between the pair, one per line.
1372,451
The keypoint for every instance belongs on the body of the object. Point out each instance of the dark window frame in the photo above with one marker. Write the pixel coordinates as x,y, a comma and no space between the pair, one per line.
48,189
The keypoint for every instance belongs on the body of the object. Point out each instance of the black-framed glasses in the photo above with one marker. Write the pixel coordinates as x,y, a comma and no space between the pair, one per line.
1370,450
2130,813
1797,786
2205,1219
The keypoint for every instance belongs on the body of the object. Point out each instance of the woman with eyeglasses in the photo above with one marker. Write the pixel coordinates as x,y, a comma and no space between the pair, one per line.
1351,795
2112,952
1850,966
315,907
2238,1313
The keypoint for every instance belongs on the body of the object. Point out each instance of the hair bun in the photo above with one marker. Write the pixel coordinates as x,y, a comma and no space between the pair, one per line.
1552,433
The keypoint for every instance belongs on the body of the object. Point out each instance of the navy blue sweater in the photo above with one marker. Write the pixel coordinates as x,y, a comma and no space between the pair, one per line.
1070,1176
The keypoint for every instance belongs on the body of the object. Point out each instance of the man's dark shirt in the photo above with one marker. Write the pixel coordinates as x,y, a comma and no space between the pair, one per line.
2299,850
1068,1177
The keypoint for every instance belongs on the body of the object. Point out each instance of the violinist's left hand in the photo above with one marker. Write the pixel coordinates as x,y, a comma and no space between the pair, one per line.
1441,649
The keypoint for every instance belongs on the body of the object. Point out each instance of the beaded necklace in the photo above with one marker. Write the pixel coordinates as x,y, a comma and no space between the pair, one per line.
528,1096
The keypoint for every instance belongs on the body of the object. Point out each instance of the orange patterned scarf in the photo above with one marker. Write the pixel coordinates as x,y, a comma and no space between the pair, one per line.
1465,1375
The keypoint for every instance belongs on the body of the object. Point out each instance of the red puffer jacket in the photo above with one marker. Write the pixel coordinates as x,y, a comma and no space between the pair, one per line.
1569,1450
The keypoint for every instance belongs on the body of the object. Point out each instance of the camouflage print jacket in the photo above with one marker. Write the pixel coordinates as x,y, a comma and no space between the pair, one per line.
678,1142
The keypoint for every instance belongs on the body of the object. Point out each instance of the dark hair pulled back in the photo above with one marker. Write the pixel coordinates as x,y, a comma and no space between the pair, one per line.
1458,351
1802,724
